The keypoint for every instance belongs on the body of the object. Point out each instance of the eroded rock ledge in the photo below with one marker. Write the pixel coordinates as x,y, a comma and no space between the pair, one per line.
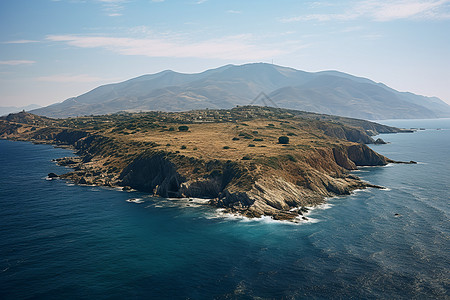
254,191
240,167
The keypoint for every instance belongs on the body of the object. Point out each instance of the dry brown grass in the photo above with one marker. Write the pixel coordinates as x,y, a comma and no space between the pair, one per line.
207,140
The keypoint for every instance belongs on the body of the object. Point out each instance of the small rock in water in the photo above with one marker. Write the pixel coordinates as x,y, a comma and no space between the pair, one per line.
303,209
397,215
52,175
305,218
380,141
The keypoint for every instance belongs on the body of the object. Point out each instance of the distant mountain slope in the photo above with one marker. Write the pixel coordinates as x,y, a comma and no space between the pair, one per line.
4,110
329,92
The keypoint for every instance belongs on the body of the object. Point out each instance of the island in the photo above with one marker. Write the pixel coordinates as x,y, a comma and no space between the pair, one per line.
250,160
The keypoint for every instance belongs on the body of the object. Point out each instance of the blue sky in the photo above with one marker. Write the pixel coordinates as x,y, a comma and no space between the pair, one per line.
51,50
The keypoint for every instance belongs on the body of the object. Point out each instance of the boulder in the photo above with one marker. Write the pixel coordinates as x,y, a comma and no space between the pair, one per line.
380,141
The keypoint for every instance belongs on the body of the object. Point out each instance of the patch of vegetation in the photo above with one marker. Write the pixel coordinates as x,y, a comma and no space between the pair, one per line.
183,128
291,134
226,147
183,147
283,140
251,145
246,158
235,139
258,140
291,158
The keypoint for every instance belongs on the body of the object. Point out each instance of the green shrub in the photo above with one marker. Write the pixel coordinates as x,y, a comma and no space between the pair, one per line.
291,158
172,129
183,147
226,147
283,140
246,158
251,145
183,128
235,139
258,140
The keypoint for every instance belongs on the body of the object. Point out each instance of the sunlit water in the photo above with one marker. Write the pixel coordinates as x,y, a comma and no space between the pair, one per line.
60,241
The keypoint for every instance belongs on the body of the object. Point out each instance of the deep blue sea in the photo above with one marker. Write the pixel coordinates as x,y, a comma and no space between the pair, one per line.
63,241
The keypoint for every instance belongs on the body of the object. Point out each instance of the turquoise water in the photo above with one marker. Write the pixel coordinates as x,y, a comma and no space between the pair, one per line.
59,240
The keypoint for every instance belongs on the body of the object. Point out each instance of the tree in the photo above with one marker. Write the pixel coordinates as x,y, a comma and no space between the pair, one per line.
283,140
183,128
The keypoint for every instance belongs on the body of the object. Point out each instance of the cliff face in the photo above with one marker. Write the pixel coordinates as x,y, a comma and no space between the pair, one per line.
253,193
154,174
239,166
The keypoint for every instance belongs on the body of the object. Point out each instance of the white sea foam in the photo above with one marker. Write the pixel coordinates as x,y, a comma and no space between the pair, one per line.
135,200
191,200
221,213
322,206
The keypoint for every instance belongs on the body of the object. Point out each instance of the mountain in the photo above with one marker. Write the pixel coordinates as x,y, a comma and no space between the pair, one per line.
4,110
329,92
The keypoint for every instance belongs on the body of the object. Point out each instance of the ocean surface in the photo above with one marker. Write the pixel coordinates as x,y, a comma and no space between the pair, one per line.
63,241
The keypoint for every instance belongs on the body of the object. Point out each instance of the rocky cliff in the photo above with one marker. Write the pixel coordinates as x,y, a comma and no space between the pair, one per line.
239,166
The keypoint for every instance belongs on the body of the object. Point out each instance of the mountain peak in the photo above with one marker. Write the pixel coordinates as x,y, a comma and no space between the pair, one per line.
330,92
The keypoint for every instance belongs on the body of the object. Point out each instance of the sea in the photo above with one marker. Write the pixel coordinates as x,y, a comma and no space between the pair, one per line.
64,241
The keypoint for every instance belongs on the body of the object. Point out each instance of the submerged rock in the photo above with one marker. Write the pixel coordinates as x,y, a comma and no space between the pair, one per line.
52,176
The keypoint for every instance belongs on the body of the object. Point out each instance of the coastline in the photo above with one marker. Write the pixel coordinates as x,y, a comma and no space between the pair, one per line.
298,176
295,215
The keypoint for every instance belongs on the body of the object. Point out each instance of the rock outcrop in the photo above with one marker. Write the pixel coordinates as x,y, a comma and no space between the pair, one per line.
273,180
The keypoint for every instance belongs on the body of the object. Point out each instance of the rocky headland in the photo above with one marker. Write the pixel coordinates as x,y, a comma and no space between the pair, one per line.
252,161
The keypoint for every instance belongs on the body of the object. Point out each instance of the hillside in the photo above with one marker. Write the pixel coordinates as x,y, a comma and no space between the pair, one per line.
233,157
4,110
327,92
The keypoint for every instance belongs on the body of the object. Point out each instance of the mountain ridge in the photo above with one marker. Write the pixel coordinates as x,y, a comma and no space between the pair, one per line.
330,92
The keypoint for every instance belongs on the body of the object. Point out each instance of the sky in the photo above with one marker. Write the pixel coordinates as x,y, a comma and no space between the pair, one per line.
51,50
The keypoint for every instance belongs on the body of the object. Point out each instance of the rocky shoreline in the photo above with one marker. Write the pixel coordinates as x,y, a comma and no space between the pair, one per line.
268,195
278,180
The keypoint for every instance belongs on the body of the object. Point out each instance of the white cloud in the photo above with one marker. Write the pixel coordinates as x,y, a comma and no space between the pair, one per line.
113,8
68,78
234,11
201,1
384,10
20,42
238,47
113,1
392,10
16,62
